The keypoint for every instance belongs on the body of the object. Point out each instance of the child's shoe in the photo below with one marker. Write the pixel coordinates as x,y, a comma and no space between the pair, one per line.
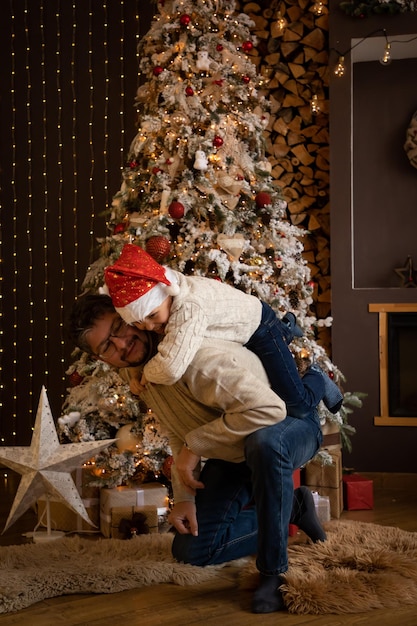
333,397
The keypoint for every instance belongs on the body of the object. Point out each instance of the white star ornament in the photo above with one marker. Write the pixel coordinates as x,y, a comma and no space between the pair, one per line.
45,466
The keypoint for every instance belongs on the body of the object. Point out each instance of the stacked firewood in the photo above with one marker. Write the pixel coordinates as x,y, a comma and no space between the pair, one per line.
293,60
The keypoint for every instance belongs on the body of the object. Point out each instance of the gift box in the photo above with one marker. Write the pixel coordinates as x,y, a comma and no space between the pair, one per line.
322,506
358,492
296,479
332,439
327,481
64,518
148,494
118,514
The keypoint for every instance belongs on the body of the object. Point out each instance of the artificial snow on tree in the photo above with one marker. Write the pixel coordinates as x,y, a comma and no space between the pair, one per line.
102,407
197,191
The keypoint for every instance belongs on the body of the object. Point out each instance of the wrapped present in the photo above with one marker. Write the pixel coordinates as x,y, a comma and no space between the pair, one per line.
118,514
148,494
332,439
83,477
62,517
358,492
296,479
327,481
322,506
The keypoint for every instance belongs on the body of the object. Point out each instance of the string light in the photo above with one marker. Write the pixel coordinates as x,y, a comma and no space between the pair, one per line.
45,185
29,195
315,105
122,86
106,106
13,391
59,202
74,147
317,8
340,67
385,59
90,121
280,25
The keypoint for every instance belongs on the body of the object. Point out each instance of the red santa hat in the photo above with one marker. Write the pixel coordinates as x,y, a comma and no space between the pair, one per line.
137,284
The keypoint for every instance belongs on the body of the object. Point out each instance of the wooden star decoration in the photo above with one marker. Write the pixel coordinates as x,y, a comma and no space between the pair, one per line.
407,273
45,466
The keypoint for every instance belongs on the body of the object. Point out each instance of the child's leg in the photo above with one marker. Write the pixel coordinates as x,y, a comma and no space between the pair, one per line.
269,343
332,397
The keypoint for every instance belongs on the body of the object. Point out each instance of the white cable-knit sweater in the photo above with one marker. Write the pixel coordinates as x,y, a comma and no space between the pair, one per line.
205,307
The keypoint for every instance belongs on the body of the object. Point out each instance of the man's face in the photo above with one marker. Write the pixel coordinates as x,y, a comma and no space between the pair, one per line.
117,343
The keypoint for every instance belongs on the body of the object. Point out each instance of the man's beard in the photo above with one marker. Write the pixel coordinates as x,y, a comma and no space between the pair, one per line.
152,347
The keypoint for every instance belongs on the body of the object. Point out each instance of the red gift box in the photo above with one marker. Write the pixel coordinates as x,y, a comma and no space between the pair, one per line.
296,479
358,492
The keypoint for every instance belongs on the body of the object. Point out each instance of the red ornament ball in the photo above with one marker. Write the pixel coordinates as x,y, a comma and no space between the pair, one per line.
185,19
176,210
247,46
166,467
119,228
219,47
331,375
189,91
156,170
158,247
262,199
246,79
133,164
75,379
157,70
217,141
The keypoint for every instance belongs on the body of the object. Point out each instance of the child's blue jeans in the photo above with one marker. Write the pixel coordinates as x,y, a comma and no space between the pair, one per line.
270,343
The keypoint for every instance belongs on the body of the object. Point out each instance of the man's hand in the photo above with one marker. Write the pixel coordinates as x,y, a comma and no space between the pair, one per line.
137,387
185,463
183,517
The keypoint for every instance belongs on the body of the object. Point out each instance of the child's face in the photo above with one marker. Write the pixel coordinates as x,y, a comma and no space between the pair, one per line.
157,319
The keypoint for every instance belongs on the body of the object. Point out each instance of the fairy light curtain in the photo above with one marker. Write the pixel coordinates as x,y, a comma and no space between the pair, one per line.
69,75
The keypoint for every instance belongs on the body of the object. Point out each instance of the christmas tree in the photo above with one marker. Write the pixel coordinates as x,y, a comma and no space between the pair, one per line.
198,195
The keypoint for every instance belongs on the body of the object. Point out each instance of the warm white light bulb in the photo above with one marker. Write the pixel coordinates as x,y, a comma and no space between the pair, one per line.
386,58
315,105
340,67
280,24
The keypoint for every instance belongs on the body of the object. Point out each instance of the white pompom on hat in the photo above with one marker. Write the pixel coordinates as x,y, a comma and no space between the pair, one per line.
137,284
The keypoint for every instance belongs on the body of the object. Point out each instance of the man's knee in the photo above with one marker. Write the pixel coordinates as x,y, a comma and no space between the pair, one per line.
183,550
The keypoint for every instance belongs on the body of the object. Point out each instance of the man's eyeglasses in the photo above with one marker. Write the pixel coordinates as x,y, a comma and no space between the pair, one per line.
118,331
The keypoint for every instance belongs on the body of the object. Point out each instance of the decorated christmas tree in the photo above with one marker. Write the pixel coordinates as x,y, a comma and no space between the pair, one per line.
198,195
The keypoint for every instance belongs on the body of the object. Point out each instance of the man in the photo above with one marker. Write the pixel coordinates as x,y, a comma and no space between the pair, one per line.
221,409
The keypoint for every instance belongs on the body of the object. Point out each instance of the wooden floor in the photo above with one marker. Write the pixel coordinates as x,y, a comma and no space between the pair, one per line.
211,603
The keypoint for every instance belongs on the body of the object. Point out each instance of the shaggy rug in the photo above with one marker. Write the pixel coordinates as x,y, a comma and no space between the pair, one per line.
360,567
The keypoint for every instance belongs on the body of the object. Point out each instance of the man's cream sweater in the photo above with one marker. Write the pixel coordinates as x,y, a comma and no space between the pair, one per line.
223,396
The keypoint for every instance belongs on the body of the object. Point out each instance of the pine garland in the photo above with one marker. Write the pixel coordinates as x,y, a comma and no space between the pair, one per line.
359,8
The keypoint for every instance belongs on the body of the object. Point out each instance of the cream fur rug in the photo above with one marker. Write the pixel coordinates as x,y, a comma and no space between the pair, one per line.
360,567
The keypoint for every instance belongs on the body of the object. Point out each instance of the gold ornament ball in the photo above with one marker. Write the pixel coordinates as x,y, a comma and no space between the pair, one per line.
126,440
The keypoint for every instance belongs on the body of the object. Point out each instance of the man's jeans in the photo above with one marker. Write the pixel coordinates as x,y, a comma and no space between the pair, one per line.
230,527
270,343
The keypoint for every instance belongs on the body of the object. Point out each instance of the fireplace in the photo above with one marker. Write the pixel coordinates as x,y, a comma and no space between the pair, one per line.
397,364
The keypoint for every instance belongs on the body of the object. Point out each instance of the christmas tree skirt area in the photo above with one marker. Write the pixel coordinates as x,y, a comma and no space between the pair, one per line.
359,568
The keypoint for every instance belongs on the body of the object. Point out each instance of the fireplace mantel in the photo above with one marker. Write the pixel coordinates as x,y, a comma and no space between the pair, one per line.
383,310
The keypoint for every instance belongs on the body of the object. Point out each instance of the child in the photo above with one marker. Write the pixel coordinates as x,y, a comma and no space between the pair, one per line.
186,309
